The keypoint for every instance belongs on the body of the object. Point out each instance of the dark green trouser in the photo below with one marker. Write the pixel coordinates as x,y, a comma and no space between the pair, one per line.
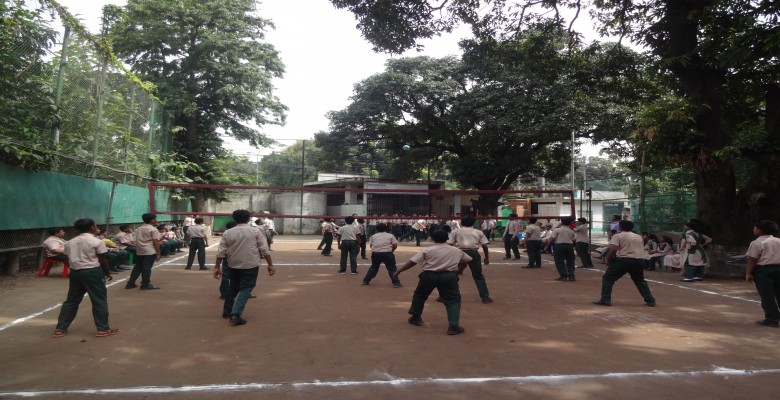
197,245
583,250
377,258
534,248
563,254
143,268
449,291
475,265
348,248
85,281
693,271
619,267
767,280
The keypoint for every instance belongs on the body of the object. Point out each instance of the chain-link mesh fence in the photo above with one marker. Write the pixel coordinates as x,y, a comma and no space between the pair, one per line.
657,201
67,105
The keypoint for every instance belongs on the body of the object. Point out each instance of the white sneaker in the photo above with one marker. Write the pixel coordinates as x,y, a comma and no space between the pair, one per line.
698,279
687,280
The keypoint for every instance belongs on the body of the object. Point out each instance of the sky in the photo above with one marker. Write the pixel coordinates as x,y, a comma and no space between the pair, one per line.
324,56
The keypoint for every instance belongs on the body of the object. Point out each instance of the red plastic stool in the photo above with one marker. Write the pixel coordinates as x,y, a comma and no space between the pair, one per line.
48,263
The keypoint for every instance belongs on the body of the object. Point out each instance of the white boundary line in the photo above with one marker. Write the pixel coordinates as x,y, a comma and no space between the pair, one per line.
183,255
56,306
391,381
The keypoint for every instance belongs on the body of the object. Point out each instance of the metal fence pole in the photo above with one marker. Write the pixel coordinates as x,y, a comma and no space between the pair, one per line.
55,127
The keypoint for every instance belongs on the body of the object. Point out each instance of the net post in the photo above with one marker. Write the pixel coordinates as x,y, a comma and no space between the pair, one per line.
152,208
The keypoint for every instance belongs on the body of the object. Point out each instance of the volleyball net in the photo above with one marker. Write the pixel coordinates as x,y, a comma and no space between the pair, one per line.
300,210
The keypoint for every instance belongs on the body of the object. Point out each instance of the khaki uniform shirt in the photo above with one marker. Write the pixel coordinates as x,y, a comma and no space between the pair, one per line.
533,232
440,257
245,246
467,238
563,235
348,232
629,244
327,227
83,251
382,242
766,249
53,243
124,238
144,237
581,233
512,227
197,231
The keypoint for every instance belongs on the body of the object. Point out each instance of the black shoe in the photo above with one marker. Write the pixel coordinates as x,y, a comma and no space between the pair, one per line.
562,278
149,287
131,286
766,322
455,330
319,248
187,267
602,303
203,269
487,300
237,320
365,284
364,257
416,320
650,303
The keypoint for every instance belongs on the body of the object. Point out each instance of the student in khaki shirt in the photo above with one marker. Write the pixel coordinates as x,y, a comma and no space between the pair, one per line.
382,246
763,269
147,251
469,240
625,256
533,243
54,245
512,228
441,265
582,244
88,275
244,246
562,239
198,242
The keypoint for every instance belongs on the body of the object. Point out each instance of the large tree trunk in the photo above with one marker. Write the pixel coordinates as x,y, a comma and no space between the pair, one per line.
198,202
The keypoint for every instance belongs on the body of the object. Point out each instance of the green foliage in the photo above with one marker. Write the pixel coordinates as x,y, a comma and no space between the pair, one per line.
26,107
211,64
504,112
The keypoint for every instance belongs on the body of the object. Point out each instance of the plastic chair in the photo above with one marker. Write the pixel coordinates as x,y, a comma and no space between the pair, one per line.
48,263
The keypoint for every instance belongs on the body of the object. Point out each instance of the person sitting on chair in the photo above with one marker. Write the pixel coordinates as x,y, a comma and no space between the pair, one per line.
54,245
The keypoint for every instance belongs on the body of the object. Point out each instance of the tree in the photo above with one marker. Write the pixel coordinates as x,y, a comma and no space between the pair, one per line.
283,168
721,54
26,104
211,66
507,109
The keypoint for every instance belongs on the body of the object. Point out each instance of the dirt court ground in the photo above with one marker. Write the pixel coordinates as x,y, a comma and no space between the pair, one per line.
315,334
